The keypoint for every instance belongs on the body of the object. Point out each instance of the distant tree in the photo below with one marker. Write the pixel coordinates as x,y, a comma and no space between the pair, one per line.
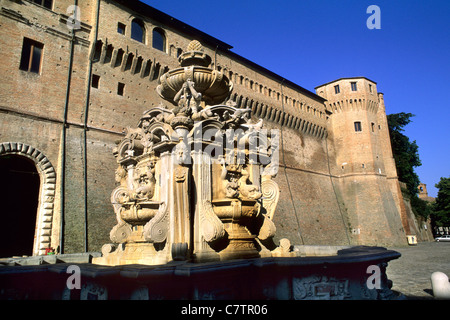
420,207
406,153
441,208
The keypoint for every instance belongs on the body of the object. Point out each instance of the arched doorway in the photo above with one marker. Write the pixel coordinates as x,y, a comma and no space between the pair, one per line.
19,187
43,238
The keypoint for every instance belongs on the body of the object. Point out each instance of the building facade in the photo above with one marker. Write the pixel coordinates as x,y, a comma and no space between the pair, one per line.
71,87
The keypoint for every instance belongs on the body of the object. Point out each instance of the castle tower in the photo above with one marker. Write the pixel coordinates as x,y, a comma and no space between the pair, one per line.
423,193
354,103
364,162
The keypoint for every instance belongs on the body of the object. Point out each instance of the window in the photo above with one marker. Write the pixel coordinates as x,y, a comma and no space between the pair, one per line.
336,89
138,30
358,126
159,39
95,81
31,58
370,88
120,88
353,84
45,3
121,28
373,126
97,51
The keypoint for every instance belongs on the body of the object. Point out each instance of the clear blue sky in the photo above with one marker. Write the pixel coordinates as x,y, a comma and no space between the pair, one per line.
314,42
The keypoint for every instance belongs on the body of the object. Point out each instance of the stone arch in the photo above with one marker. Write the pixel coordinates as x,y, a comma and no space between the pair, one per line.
47,174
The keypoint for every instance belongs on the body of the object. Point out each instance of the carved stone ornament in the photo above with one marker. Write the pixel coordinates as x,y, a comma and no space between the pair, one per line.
320,288
189,178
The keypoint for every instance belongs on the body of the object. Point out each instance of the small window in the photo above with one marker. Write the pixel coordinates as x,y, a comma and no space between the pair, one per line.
121,28
358,126
120,88
353,84
370,88
95,81
336,89
31,58
373,126
138,30
45,3
159,39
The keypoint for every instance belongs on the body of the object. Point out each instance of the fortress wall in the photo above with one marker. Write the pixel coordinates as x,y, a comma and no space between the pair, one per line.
310,209
374,218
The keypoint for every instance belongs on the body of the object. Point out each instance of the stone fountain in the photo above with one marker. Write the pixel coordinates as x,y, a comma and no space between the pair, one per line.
195,179
194,204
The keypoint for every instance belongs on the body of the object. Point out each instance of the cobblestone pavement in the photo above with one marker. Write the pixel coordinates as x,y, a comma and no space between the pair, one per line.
411,273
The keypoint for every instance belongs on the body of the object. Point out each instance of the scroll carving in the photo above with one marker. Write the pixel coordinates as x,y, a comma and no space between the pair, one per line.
155,231
119,196
211,227
271,194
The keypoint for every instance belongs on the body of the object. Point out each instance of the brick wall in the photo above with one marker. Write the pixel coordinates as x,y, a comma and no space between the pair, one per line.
317,205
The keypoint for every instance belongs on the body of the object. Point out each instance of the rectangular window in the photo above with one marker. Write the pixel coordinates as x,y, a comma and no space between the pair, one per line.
120,88
370,88
373,126
120,28
45,3
358,126
336,89
353,84
95,81
31,58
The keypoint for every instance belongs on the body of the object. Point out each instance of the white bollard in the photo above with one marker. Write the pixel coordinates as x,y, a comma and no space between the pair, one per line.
440,285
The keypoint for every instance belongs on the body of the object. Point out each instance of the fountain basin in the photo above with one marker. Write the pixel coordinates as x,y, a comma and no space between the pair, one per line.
343,276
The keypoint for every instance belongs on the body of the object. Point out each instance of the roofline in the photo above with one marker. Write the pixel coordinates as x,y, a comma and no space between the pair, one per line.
146,10
276,77
349,78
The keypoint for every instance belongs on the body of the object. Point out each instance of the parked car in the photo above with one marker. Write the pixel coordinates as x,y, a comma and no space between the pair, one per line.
443,238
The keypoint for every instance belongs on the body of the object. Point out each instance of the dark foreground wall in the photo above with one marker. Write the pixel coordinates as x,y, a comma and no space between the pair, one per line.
357,273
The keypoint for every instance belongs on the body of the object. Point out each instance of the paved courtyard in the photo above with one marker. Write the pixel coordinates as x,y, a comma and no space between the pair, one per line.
412,271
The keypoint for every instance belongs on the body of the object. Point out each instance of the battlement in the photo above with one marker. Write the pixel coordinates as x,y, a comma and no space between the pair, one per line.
350,94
